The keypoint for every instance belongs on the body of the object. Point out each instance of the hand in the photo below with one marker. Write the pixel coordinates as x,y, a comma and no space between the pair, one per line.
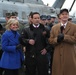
31,41
24,49
44,51
44,33
60,38
19,46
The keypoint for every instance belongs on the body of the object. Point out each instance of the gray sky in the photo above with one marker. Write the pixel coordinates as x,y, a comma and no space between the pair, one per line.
67,5
50,2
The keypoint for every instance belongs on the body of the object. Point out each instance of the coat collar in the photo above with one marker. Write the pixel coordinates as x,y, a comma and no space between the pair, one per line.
68,26
40,26
11,36
9,32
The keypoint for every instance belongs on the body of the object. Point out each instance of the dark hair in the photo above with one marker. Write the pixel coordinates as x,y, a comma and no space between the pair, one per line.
30,13
69,19
58,15
34,14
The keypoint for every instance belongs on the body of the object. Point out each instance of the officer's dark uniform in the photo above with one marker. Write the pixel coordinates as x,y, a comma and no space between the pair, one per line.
1,31
34,59
51,48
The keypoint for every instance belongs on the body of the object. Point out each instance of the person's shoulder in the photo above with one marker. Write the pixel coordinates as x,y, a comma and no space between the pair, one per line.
4,24
26,29
56,25
26,25
7,32
41,26
72,24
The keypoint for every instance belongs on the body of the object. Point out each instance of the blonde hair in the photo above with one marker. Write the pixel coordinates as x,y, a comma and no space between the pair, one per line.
11,21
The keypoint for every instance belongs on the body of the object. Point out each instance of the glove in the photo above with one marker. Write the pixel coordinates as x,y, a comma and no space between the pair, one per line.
19,46
60,38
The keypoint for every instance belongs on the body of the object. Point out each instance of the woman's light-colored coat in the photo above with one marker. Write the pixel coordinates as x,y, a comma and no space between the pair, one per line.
64,59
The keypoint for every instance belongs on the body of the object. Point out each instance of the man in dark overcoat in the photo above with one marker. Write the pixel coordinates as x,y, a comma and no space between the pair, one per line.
34,38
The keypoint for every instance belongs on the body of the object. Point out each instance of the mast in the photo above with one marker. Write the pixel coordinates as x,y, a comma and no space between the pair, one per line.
72,5
58,4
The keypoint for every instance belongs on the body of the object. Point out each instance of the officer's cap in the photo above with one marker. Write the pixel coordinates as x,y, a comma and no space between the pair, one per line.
53,16
43,17
64,10
14,14
8,15
48,17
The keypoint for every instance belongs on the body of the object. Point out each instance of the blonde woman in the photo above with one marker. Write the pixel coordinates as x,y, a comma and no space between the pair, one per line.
12,53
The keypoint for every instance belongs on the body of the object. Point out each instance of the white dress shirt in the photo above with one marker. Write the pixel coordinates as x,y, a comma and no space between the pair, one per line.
64,25
36,26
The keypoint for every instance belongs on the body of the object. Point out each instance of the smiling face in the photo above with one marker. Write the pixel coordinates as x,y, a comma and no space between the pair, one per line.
36,19
14,26
64,16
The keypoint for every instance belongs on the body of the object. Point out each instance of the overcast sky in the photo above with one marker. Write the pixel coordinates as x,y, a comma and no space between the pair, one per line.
66,4
50,2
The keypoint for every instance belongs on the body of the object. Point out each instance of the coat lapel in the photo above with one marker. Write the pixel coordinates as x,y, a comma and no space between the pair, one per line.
59,31
68,26
12,38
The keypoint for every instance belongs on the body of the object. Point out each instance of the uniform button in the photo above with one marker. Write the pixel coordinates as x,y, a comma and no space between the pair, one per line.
33,56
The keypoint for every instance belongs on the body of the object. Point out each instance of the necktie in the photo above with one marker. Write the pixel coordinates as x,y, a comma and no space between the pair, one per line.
62,28
36,27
